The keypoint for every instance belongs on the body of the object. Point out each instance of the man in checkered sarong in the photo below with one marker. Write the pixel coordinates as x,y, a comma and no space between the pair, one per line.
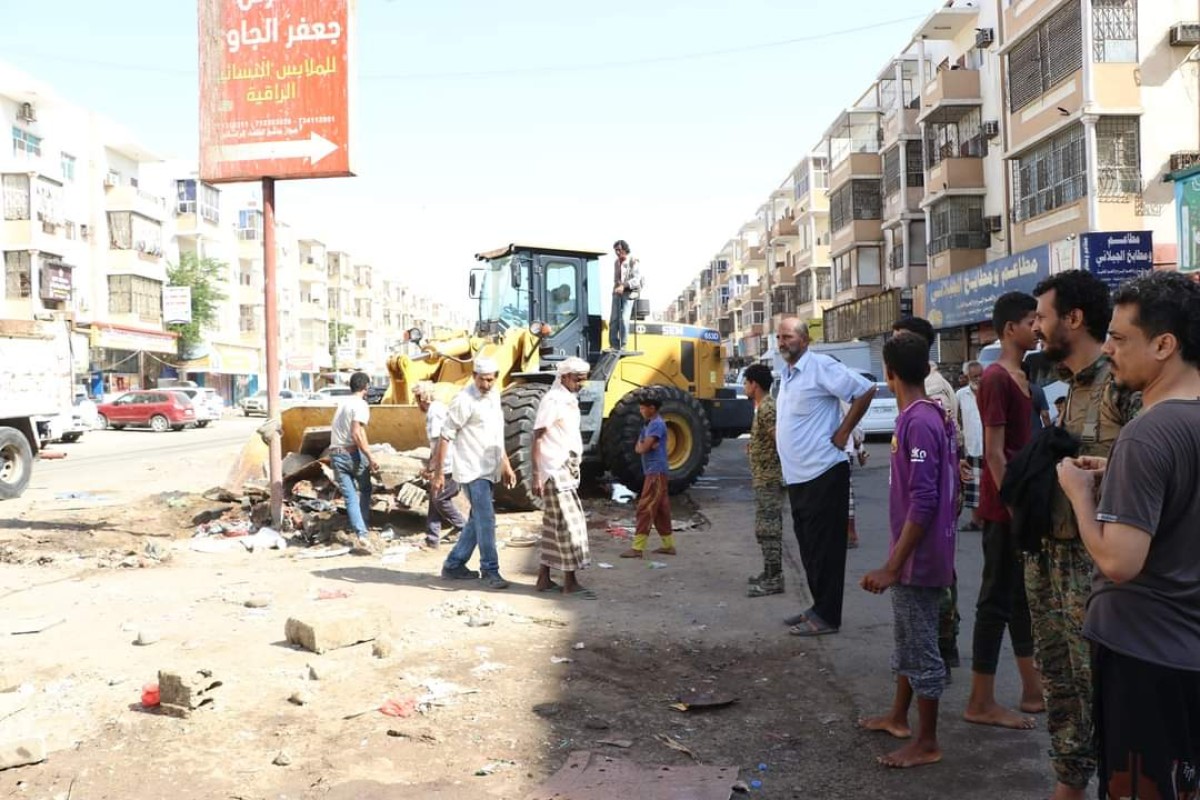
557,448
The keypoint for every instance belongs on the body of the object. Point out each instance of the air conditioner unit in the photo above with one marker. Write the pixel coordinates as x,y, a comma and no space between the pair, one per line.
991,128
27,112
1186,34
1184,159
993,224
984,37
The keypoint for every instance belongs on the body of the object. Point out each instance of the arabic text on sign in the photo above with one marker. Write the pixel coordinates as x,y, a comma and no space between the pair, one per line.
253,36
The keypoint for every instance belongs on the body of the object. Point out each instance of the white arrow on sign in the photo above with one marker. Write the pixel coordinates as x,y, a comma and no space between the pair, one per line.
314,148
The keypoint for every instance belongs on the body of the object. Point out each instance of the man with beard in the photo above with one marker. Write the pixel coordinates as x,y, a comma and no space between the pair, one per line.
811,436
1143,617
1073,311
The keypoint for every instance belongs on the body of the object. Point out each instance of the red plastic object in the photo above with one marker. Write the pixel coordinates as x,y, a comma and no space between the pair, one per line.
150,695
399,708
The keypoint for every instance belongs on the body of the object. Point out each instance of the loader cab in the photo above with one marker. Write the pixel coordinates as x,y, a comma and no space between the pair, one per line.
555,293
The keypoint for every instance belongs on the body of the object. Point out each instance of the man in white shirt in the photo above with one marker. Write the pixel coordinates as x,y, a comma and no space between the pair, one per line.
474,428
811,435
442,510
350,455
557,454
971,426
627,281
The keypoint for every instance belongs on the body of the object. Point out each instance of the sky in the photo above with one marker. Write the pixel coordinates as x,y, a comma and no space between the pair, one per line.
662,122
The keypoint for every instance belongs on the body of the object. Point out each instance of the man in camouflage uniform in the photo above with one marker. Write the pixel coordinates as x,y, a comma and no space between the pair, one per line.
1073,313
766,478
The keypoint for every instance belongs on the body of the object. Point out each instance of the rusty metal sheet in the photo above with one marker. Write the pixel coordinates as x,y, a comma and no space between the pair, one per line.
591,776
275,89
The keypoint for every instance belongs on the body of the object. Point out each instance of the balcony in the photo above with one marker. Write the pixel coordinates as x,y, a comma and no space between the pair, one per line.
954,261
859,231
856,165
951,88
785,228
314,311
753,255
134,262
898,124
129,198
30,234
955,173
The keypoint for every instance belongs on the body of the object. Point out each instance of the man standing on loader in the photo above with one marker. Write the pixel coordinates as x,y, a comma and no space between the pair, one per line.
627,281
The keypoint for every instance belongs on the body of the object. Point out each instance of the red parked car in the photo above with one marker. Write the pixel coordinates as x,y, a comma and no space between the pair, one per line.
158,409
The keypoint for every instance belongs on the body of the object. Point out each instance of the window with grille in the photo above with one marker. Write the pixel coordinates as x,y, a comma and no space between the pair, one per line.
824,284
958,225
1118,157
914,169
1114,31
1052,175
858,199
17,275
130,294
960,138
246,319
1045,57
891,171
16,196
804,287
25,144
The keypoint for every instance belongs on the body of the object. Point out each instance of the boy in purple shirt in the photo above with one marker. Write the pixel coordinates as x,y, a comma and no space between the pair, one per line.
921,508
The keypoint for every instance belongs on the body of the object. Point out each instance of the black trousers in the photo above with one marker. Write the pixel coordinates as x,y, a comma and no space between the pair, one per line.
1002,603
820,515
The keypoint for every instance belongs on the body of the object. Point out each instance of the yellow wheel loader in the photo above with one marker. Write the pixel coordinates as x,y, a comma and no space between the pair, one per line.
537,306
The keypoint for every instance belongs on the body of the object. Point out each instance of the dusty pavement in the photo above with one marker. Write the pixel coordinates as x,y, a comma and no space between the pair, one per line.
479,666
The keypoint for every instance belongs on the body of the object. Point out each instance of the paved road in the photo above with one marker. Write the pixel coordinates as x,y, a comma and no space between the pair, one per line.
127,464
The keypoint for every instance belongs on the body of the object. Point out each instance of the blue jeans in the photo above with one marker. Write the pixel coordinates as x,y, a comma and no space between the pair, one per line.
479,530
354,481
616,322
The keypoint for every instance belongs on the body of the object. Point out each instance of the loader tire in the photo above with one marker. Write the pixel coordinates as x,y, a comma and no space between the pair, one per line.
689,440
520,404
16,463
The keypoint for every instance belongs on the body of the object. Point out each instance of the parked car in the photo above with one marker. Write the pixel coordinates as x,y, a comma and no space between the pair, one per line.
880,419
209,405
257,403
83,419
158,409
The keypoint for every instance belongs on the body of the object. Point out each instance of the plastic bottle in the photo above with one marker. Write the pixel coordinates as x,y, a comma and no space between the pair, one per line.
150,695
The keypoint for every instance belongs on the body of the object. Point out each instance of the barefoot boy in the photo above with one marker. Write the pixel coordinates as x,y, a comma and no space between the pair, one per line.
654,506
920,565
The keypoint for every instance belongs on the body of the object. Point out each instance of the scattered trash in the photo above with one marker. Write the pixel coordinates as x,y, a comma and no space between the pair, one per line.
677,746
331,553
619,532
148,636
399,708
213,545
699,701
488,769
624,744
521,539
622,494
332,594
265,539
756,784
283,759
429,738
150,698
155,551
300,698
657,565
578,646
387,534
561,660
604,565
480,622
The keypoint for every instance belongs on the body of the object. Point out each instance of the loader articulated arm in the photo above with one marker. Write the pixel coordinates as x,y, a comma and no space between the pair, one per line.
451,362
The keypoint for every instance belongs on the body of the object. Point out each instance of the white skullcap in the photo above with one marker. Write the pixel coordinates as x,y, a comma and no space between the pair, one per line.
486,366
573,366
423,390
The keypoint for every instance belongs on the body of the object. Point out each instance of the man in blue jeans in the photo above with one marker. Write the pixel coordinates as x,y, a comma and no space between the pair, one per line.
474,428
627,282
350,455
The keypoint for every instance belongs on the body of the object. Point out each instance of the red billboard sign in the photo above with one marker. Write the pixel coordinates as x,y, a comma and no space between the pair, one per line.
274,89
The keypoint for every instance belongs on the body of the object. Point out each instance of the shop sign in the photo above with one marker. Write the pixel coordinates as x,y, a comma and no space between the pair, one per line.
1117,257
968,297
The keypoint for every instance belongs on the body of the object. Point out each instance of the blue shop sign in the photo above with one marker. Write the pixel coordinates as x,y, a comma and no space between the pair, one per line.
967,298
1117,257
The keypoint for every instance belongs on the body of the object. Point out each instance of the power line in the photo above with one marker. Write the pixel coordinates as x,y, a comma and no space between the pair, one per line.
537,70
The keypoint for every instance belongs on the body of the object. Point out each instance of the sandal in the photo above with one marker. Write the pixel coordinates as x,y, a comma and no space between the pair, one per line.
666,551
552,587
631,553
798,619
813,626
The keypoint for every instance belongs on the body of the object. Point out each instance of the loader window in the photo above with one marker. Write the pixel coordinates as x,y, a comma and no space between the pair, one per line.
499,300
561,297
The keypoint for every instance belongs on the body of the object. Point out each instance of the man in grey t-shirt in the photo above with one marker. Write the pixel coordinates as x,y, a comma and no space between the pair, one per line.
1144,612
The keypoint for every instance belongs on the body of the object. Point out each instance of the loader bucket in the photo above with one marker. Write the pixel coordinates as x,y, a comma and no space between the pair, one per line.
251,464
403,427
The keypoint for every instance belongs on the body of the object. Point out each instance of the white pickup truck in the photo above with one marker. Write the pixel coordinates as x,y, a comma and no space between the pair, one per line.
35,393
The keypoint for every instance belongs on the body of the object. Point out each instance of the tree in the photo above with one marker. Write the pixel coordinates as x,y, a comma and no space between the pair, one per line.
339,333
205,277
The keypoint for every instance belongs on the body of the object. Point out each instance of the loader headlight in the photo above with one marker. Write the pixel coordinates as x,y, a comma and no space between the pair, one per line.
541,329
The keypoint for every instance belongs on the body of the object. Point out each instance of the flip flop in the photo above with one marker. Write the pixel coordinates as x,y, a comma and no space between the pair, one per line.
551,587
812,627
581,594
798,619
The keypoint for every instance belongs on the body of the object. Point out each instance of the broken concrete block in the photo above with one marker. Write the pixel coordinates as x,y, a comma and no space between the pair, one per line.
20,752
320,633
181,693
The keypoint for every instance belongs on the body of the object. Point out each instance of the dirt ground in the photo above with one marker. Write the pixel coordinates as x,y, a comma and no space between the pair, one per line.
498,710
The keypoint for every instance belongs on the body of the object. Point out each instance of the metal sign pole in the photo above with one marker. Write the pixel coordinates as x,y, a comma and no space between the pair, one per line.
271,315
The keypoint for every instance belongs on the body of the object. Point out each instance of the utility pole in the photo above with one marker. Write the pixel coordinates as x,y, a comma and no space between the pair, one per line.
768,317
271,314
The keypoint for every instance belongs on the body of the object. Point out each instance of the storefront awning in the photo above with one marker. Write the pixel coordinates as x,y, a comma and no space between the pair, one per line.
123,337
